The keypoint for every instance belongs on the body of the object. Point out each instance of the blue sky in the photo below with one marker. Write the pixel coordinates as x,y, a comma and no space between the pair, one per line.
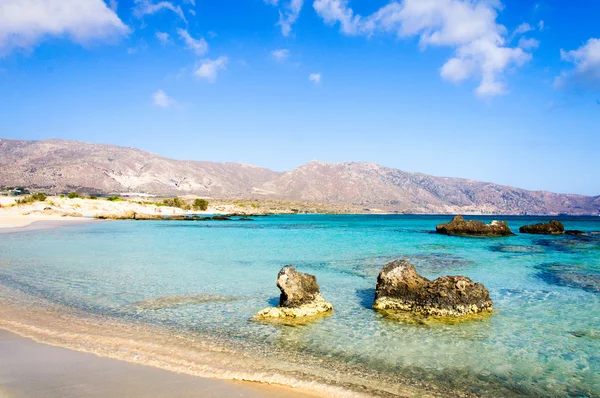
502,91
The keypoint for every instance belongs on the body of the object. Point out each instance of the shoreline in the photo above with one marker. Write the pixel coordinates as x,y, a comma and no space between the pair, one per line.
190,355
16,225
32,369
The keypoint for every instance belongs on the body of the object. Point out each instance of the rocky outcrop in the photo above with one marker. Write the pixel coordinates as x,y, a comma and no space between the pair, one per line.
400,288
300,296
460,227
575,232
552,228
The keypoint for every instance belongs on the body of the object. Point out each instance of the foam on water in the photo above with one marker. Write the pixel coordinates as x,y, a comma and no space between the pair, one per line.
205,281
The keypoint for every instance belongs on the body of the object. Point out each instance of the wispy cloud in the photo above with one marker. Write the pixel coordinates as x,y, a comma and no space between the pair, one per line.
280,55
209,68
521,29
586,73
467,26
162,100
113,4
23,24
162,37
528,43
199,46
315,78
289,10
145,7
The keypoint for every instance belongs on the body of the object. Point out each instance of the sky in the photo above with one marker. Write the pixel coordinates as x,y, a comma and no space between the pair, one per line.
506,91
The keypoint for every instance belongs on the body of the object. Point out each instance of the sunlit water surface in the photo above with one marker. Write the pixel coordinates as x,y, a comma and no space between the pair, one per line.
210,278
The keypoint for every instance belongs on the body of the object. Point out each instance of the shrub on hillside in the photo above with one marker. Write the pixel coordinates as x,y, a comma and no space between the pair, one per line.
74,195
176,202
200,204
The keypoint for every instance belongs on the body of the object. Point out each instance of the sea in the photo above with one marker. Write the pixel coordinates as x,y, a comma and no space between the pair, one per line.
182,295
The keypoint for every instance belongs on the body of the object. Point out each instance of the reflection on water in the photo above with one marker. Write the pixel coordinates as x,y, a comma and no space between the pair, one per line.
205,282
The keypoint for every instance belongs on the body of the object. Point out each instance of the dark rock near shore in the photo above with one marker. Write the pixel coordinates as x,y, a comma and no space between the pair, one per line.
300,296
460,227
552,228
399,287
575,232
221,218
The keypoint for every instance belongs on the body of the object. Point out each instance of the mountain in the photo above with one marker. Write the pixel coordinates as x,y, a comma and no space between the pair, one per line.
60,166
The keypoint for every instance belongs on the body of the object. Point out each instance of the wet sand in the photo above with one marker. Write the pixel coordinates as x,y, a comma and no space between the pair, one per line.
30,369
22,224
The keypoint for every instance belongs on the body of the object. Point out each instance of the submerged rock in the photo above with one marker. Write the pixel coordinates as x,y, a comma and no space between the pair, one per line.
517,249
399,287
459,226
552,228
575,232
300,296
569,275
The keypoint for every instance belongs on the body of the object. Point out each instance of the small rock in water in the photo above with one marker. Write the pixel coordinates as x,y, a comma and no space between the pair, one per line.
300,296
552,228
575,232
399,287
459,226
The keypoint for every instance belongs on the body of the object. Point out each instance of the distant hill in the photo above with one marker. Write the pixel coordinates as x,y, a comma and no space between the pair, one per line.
60,166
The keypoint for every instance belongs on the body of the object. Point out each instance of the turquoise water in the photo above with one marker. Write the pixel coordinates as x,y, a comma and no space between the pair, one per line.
543,339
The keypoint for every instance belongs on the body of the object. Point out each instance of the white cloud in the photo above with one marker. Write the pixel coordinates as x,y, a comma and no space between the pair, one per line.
288,13
192,2
522,29
24,23
528,44
209,68
114,4
280,55
469,27
144,7
163,37
192,12
162,100
586,74
541,26
199,46
315,78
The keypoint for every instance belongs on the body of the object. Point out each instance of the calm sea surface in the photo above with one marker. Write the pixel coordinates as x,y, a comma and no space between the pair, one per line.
210,278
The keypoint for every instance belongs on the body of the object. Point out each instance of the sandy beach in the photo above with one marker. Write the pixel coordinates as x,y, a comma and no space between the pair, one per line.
58,211
30,369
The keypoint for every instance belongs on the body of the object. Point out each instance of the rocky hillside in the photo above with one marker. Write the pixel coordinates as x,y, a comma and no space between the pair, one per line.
59,166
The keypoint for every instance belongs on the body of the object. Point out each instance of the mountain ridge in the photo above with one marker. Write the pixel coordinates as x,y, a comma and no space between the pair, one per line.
62,165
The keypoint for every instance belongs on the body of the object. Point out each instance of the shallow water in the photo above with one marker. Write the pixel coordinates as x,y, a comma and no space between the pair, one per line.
207,279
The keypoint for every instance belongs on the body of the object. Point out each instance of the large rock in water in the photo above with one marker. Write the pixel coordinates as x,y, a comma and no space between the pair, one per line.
300,296
552,228
399,287
459,226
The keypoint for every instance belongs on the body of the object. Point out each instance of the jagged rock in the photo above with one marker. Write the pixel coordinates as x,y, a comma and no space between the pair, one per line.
300,296
459,226
552,228
399,287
